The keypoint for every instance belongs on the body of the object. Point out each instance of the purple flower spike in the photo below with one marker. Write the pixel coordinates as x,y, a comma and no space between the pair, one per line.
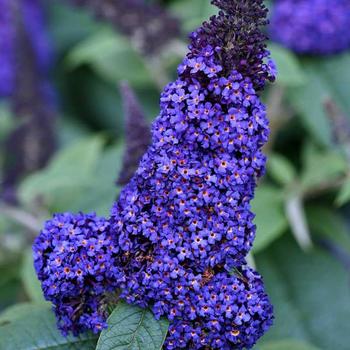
26,16
198,176
7,49
178,236
30,145
34,23
137,134
228,312
75,260
184,220
315,27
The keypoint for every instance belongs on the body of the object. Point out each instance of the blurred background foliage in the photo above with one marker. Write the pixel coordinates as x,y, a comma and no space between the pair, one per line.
303,242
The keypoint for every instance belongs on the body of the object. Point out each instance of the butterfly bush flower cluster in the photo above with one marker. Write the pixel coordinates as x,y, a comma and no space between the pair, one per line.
75,257
183,225
312,26
186,213
26,57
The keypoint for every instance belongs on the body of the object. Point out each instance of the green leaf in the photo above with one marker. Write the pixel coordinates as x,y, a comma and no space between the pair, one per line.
33,327
295,212
310,294
17,311
193,12
68,26
71,130
290,72
308,99
130,327
320,167
10,283
102,190
280,169
29,279
326,223
6,120
111,56
344,194
69,173
270,219
288,344
89,149
104,110
325,78
335,71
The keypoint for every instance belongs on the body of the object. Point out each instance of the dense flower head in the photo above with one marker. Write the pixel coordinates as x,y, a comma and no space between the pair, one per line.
191,194
75,260
210,310
180,231
186,214
227,312
149,26
312,26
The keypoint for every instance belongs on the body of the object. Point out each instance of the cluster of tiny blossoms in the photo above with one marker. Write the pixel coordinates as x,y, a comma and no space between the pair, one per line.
74,257
186,214
228,312
192,190
183,226
312,26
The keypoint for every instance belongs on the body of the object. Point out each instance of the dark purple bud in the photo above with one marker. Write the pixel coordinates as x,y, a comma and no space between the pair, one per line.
137,134
237,32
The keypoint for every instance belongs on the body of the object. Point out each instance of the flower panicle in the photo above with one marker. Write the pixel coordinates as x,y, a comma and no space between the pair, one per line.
137,133
75,257
184,221
31,144
186,213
